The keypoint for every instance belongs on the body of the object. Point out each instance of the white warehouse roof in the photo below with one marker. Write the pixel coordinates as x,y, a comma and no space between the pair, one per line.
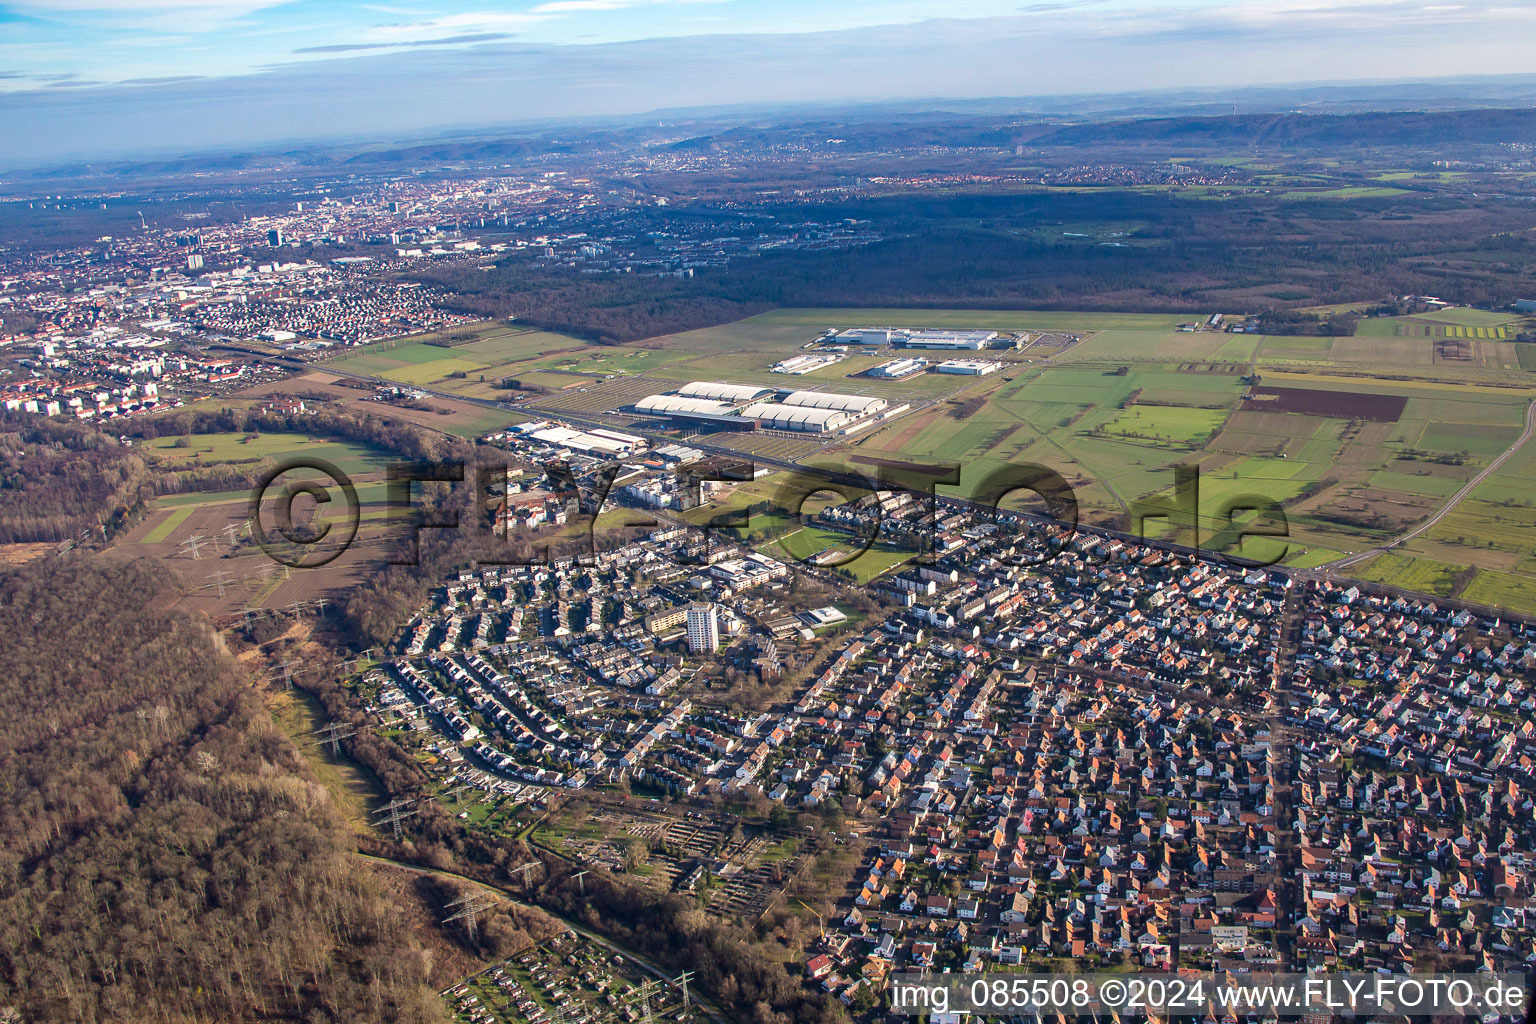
723,392
796,417
826,400
661,405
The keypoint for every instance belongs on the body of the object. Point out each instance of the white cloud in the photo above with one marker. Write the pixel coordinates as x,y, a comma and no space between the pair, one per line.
451,24
570,6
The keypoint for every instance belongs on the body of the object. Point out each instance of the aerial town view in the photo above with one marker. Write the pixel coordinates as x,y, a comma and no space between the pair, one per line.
613,511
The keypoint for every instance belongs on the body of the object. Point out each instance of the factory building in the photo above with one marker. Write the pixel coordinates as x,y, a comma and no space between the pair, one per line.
806,363
871,336
724,392
856,404
707,405
584,441
668,405
897,369
960,340
972,367
799,418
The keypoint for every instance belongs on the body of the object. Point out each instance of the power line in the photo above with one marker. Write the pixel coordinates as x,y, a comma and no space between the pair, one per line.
333,734
471,906
220,578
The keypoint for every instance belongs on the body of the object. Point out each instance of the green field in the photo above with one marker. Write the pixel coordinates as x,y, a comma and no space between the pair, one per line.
1422,575
808,542
1117,412
238,448
1166,423
498,352
163,531
1114,414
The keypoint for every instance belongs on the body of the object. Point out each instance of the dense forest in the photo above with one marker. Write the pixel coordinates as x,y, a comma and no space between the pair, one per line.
59,478
163,856
1127,251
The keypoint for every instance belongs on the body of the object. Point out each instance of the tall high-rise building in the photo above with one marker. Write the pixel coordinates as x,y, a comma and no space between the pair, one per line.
275,236
703,629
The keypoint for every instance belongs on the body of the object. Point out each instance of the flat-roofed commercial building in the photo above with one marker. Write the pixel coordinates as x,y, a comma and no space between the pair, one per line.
972,340
899,368
972,367
724,392
868,336
859,404
799,418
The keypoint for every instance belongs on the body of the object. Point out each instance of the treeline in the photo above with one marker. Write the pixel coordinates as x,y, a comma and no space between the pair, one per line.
1243,252
1294,323
163,855
59,478
382,432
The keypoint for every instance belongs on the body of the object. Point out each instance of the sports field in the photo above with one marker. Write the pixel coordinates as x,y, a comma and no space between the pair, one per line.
815,545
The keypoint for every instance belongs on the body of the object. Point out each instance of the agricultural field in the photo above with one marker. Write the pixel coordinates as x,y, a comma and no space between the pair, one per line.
1420,575
451,416
242,448
1353,457
1158,423
473,367
203,537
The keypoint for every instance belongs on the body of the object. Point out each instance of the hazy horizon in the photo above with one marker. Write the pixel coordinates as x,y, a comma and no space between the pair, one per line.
373,74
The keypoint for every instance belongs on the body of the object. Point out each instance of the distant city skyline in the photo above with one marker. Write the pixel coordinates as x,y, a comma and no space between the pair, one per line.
97,78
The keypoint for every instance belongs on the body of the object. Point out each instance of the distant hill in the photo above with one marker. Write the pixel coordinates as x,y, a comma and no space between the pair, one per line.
1421,130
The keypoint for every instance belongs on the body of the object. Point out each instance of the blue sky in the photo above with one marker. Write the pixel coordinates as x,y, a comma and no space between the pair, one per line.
86,78
75,43
79,43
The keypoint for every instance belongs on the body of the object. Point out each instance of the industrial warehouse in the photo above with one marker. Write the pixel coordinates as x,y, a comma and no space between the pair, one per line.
705,405
898,337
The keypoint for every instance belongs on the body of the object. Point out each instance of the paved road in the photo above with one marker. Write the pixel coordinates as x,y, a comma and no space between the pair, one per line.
1448,507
